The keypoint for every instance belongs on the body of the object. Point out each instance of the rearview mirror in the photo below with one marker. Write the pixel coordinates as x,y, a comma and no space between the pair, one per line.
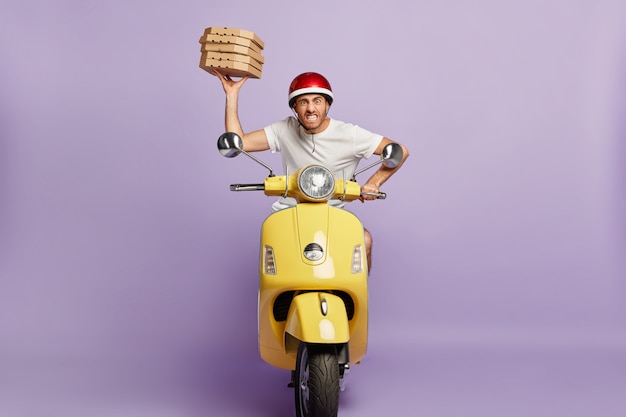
392,155
230,144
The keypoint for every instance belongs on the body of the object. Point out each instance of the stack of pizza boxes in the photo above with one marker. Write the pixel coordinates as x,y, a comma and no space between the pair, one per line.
234,52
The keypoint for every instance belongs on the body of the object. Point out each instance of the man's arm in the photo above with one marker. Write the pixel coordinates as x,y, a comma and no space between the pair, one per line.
382,174
253,141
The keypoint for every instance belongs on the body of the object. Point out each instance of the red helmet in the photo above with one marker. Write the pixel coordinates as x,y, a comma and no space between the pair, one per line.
310,83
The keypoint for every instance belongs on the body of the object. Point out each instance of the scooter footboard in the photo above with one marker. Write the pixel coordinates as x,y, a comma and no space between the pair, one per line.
318,317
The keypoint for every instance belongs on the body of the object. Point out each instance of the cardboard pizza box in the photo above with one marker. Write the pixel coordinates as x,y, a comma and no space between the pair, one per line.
221,56
232,49
232,68
229,39
235,32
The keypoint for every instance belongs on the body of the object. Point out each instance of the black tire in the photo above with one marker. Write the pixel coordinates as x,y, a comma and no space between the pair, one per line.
317,381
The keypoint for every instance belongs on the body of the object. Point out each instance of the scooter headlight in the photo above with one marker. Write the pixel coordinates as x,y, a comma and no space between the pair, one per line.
316,182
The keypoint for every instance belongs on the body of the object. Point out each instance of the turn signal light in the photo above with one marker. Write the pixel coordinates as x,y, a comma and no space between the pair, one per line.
269,263
357,260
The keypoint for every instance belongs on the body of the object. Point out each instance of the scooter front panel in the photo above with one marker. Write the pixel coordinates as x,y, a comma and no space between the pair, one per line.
288,232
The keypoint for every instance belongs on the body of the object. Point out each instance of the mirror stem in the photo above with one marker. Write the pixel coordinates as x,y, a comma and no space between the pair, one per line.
365,169
271,174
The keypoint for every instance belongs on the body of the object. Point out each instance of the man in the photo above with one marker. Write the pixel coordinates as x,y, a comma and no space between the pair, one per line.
310,136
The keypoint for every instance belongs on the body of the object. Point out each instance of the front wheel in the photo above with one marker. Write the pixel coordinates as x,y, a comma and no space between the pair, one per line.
317,381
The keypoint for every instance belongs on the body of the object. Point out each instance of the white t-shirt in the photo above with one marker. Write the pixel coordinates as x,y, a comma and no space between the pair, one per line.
339,147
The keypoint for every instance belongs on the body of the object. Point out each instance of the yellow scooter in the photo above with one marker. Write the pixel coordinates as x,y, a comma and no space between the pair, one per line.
313,296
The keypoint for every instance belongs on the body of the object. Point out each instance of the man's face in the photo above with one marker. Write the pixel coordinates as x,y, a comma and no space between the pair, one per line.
311,110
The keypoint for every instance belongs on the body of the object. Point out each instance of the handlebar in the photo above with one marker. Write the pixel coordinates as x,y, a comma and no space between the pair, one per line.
247,187
380,196
261,187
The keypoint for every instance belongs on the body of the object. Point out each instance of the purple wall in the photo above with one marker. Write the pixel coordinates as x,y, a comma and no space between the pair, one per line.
128,270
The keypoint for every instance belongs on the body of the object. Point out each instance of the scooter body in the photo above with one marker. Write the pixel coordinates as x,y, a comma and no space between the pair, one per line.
322,300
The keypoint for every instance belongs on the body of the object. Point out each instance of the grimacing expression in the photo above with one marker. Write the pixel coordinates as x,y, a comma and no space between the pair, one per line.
311,110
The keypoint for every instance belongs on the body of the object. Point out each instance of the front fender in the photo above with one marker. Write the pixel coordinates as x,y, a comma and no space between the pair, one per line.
307,322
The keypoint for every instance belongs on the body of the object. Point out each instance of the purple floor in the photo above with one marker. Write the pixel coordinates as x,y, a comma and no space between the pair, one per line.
430,380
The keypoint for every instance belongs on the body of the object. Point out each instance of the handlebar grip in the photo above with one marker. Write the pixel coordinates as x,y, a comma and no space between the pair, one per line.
247,187
379,196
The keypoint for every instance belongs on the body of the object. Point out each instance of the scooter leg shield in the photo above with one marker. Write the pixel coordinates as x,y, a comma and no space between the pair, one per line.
317,317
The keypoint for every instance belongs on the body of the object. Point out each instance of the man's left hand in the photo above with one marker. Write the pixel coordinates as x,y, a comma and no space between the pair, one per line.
366,189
